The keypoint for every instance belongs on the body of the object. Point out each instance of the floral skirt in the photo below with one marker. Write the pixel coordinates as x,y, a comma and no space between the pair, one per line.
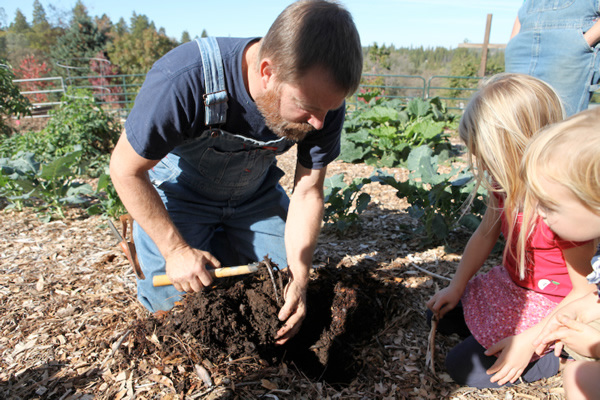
495,307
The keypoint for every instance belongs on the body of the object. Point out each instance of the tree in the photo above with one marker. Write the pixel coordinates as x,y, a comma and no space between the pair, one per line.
83,39
3,19
105,89
104,25
185,37
204,33
42,36
380,55
135,51
12,103
16,39
31,68
20,25
120,28
79,12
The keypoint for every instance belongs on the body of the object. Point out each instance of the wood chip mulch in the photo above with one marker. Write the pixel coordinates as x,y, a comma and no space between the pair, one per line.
68,304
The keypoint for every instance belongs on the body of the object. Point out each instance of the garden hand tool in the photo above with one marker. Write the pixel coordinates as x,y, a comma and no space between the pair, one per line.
128,247
163,280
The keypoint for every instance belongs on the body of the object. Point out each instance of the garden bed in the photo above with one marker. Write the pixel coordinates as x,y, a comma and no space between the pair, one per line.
71,326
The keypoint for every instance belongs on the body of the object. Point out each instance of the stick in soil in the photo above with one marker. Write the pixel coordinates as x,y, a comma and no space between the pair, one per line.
430,357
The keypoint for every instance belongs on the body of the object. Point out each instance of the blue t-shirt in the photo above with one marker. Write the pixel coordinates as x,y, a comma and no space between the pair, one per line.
169,108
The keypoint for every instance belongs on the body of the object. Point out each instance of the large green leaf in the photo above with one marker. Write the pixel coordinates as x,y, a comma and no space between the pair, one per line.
380,114
439,227
350,152
362,202
418,107
60,167
414,158
427,129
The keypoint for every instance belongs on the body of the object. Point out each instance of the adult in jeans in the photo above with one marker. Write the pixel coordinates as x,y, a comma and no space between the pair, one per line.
558,42
196,165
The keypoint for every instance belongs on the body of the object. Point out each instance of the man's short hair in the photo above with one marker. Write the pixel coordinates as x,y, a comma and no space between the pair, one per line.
315,33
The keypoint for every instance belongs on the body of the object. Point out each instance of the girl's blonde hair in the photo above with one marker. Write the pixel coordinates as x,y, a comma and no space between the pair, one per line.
567,153
497,124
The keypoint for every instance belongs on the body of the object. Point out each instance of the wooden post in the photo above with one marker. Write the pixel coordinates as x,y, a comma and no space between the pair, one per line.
484,48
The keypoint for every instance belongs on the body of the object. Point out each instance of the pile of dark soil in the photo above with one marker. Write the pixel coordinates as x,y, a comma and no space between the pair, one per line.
237,319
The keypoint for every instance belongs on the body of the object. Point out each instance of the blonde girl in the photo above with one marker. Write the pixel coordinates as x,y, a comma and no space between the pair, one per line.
506,308
561,169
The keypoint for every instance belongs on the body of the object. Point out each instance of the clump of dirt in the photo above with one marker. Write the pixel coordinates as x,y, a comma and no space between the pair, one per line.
237,319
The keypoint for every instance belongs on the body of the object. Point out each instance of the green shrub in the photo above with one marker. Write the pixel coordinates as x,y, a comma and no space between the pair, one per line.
383,133
46,187
12,102
43,170
437,199
78,123
344,202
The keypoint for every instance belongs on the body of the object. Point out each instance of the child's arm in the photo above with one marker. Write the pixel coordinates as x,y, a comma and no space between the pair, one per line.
583,310
478,249
514,352
581,338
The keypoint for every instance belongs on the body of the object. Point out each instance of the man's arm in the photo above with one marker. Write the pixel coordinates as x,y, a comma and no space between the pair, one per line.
302,228
129,173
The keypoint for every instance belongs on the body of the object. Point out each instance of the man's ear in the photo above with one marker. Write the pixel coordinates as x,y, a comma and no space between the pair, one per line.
266,71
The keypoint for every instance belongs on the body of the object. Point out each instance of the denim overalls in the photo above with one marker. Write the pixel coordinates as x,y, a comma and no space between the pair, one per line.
551,47
221,191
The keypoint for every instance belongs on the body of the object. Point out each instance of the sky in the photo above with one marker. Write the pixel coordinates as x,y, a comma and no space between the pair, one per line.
402,23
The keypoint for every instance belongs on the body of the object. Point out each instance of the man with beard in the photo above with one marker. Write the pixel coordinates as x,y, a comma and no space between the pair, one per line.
196,165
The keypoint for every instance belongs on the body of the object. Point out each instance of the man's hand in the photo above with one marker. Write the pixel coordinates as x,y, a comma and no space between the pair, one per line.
186,268
293,311
514,354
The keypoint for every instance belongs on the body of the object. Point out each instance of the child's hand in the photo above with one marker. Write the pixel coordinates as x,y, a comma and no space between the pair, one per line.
580,337
514,354
585,309
550,328
444,300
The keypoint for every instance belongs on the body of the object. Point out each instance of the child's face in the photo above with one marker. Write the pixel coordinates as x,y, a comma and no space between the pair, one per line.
569,219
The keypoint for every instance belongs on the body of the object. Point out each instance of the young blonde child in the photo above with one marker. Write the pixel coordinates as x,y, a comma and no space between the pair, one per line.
561,168
506,308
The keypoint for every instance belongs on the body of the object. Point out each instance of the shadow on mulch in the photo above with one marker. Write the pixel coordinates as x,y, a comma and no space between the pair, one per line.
45,382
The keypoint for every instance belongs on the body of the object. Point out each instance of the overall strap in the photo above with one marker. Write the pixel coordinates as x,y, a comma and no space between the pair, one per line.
215,97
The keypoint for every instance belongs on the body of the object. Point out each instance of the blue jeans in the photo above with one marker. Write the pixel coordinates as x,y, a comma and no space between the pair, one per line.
550,46
222,193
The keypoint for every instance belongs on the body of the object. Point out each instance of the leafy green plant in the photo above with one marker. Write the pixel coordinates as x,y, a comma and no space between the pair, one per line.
12,102
436,199
107,201
344,202
78,123
384,133
46,187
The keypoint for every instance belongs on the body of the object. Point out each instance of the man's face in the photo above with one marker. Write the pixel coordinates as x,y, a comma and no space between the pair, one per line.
293,110
570,218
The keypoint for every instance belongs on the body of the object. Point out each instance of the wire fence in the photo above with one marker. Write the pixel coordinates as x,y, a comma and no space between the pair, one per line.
116,93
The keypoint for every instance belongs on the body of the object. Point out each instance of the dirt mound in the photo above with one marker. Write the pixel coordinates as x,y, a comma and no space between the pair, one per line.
237,319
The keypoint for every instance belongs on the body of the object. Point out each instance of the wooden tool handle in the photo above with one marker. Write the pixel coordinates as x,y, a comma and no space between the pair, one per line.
163,280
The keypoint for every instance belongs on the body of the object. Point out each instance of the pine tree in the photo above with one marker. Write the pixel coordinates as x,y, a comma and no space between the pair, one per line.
82,40
185,37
